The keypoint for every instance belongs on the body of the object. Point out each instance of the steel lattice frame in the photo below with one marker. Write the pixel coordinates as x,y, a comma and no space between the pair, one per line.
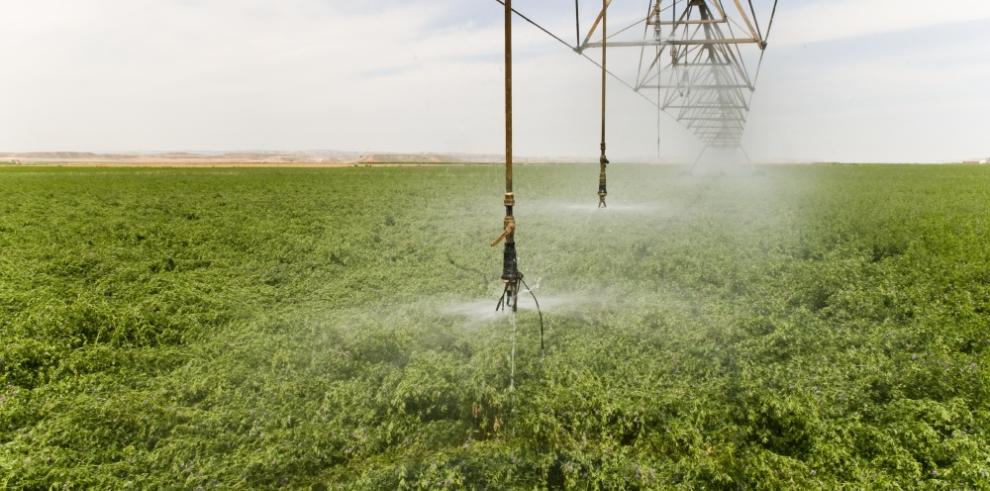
692,57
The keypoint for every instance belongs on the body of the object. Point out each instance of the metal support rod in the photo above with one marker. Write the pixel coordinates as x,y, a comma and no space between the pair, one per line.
675,42
508,101
702,118
745,154
658,34
604,65
510,268
749,25
692,22
756,22
594,26
603,161
689,88
773,13
698,159
577,25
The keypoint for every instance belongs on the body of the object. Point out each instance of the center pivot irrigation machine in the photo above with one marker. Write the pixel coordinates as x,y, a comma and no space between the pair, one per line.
693,65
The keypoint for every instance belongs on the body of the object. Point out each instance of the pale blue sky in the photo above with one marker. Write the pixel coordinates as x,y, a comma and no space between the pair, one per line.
852,80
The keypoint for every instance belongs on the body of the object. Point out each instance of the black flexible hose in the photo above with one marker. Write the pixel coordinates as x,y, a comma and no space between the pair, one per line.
539,311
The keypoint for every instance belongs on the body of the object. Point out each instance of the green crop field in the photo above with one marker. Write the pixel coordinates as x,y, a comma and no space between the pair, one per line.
814,327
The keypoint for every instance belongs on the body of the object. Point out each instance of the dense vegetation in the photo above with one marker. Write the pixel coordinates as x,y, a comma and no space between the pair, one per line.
810,327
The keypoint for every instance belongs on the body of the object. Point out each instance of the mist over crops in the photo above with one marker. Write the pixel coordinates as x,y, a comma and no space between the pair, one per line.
784,327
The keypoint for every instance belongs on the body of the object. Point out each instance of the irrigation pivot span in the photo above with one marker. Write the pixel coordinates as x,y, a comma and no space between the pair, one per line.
699,60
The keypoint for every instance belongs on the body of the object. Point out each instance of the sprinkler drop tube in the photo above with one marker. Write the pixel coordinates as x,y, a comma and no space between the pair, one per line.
510,268
603,161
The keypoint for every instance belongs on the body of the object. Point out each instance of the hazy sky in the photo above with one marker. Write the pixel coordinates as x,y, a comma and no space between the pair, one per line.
853,80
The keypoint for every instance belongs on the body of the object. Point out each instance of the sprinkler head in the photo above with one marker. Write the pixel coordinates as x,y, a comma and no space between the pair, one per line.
510,297
510,276
602,184
510,264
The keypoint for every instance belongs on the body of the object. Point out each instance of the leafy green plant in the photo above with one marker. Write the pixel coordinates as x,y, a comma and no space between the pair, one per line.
818,327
